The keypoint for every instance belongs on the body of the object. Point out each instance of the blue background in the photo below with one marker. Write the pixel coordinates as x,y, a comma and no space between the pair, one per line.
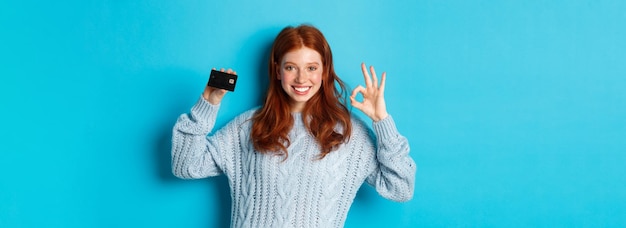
515,110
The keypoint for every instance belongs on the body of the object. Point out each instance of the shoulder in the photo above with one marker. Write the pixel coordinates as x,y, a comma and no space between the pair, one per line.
358,125
362,142
242,121
245,117
360,129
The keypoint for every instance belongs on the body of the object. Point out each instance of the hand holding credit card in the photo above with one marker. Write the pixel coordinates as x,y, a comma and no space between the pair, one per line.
222,80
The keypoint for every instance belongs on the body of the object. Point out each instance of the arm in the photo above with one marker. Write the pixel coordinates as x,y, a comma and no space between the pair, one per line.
191,157
394,176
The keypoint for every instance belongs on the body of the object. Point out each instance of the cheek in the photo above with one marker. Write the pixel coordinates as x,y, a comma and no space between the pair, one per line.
285,76
284,83
317,78
285,80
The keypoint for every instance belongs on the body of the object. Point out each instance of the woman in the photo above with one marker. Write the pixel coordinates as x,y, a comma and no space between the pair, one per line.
298,160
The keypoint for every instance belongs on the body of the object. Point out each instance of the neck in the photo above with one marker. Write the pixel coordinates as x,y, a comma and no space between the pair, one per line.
297,107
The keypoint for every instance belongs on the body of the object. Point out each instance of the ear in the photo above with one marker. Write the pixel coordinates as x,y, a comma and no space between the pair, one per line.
277,67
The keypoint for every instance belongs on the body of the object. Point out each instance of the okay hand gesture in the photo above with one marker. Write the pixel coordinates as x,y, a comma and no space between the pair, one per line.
373,104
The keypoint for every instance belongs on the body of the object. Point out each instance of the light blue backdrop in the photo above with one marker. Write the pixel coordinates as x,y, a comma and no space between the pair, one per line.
515,110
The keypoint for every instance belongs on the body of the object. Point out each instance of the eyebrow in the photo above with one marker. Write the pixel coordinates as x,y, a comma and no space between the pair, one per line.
316,63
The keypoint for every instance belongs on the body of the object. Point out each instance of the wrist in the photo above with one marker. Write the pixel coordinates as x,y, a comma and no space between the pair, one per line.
214,100
379,117
207,98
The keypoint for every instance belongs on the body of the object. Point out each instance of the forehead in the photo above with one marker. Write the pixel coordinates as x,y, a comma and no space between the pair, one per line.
302,55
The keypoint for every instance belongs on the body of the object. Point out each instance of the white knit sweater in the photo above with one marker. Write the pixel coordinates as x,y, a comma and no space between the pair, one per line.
301,191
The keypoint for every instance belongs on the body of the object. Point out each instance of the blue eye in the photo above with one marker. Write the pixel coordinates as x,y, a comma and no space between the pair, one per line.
312,68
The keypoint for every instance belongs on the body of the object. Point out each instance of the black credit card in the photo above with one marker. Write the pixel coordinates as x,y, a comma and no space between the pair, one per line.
222,80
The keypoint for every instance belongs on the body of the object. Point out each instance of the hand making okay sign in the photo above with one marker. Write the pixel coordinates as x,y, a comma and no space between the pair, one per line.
373,104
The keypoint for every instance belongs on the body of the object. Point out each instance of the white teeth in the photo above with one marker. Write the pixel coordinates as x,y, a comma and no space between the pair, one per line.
301,89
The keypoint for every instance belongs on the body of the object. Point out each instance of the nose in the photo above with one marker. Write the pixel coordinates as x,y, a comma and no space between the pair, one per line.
300,77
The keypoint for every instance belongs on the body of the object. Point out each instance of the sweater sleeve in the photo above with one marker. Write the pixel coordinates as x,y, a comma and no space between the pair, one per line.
191,158
394,175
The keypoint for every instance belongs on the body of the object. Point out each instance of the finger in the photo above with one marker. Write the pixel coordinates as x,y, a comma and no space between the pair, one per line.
356,91
368,81
207,92
383,78
222,70
221,92
356,104
360,89
218,93
374,76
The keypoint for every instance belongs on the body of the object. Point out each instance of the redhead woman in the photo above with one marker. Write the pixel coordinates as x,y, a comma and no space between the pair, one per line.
300,158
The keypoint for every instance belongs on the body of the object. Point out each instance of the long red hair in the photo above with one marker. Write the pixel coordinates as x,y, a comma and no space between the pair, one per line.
325,115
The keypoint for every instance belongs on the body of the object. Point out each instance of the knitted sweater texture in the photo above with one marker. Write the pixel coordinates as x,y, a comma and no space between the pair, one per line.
302,190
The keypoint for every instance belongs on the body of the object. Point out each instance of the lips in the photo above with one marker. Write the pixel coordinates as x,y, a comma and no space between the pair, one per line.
301,89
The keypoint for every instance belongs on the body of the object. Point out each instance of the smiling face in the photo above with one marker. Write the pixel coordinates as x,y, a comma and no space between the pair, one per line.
300,74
